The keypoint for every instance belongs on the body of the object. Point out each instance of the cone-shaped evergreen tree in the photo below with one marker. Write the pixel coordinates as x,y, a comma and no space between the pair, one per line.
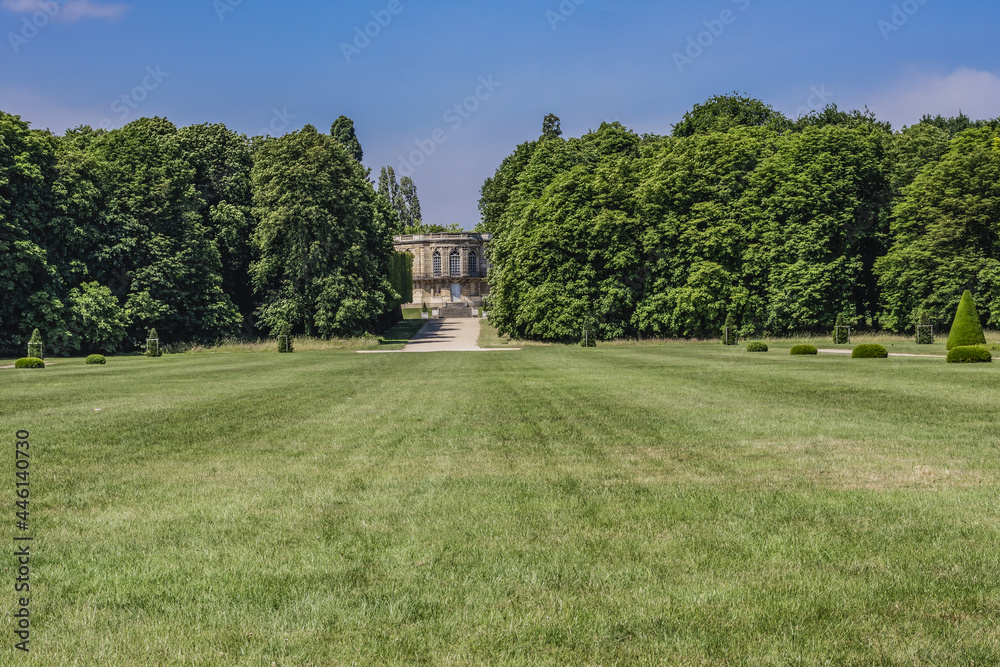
35,347
153,344
967,329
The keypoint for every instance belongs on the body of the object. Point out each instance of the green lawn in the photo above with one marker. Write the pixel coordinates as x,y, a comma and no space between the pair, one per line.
682,504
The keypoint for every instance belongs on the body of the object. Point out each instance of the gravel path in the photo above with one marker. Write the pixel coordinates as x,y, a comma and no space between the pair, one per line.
891,354
456,335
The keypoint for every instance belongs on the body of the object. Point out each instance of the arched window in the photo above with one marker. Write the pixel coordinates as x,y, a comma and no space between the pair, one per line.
437,264
456,263
473,263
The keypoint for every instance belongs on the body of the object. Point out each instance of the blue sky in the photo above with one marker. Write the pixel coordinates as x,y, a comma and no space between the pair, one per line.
255,65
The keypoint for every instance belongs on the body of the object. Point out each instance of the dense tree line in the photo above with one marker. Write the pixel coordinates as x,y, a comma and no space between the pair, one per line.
782,225
200,232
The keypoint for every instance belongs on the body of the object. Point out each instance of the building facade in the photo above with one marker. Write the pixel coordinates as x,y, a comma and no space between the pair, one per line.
447,268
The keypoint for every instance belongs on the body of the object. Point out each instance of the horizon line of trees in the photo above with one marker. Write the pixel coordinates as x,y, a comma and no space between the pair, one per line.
743,213
200,231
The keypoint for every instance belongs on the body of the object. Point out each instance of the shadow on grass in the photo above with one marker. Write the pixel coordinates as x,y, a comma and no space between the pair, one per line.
401,333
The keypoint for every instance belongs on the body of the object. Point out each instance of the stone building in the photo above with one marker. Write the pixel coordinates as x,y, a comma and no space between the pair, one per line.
449,270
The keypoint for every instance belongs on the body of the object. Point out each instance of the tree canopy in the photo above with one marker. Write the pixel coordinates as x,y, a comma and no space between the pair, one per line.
323,237
106,234
782,225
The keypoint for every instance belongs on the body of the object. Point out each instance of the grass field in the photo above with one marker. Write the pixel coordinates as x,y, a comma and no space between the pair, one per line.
682,504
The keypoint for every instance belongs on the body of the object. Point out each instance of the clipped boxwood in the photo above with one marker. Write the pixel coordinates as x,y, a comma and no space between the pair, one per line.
757,346
29,362
804,349
967,329
96,359
870,351
969,354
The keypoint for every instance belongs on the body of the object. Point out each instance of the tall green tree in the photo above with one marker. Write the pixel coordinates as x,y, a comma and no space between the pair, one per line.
324,238
697,229
29,280
724,112
946,235
551,127
402,197
820,212
222,161
495,195
159,258
913,150
564,256
343,132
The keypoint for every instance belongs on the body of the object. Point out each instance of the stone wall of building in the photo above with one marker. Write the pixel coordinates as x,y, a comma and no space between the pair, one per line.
447,268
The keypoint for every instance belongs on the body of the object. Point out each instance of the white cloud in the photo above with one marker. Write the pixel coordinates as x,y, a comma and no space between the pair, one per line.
973,92
67,11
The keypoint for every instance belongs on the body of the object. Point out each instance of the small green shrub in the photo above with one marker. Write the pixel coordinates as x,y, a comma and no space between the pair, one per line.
804,350
870,351
925,334
35,346
285,344
96,359
967,329
29,362
589,338
969,354
841,331
153,344
757,347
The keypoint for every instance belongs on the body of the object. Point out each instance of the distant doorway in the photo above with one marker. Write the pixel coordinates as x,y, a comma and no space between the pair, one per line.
456,292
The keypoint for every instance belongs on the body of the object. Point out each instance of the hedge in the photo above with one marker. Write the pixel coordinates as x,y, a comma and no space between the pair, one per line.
29,362
96,359
804,349
870,351
969,354
757,347
967,329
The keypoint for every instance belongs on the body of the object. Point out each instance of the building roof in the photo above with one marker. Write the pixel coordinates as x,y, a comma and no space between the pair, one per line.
423,238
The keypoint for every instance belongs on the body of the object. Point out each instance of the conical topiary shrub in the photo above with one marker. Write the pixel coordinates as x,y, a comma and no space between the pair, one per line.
925,327
966,330
35,347
153,344
841,331
285,344
730,336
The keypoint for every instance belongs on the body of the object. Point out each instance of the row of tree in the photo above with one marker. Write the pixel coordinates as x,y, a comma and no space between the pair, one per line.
782,225
198,231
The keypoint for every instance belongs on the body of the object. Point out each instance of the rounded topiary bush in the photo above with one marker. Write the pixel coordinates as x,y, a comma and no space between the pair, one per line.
29,362
804,350
757,347
96,359
870,351
969,354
